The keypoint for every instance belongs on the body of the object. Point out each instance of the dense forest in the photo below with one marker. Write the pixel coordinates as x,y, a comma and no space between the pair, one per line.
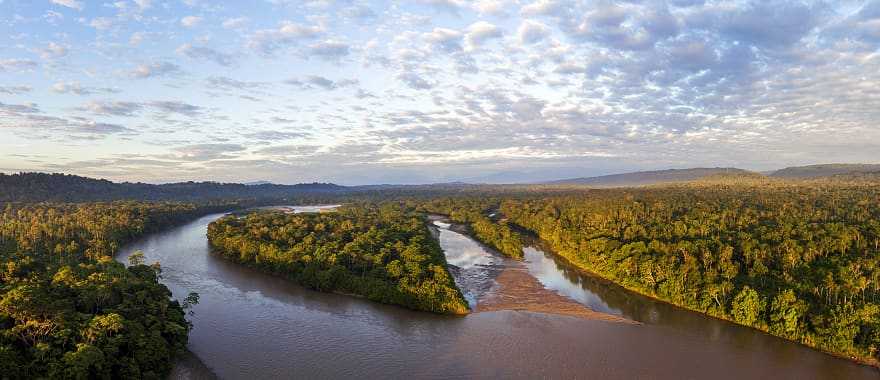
799,261
384,253
68,310
39,187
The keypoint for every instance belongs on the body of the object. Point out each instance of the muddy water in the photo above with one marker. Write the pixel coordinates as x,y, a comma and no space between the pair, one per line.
252,326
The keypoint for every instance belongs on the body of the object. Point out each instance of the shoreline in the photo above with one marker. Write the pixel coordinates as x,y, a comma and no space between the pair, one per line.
544,246
188,366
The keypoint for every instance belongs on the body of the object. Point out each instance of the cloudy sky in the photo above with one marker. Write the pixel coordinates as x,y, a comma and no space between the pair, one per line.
434,90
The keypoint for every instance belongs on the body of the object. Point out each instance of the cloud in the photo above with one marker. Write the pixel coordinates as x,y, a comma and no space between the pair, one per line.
530,32
414,81
289,150
446,40
450,6
226,83
15,90
101,23
268,41
29,116
73,4
491,7
275,136
768,24
206,152
53,51
329,49
317,81
96,128
17,109
480,32
206,54
76,88
156,69
544,8
235,23
175,107
143,4
16,65
136,38
163,108
112,108
190,21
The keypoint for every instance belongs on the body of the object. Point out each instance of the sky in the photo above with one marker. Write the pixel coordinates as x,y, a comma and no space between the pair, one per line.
364,92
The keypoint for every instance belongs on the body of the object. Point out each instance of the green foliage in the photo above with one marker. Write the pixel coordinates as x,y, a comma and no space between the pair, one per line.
747,307
382,252
472,212
68,310
798,260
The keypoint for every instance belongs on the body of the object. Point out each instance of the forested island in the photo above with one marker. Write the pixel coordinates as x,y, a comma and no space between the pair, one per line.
68,310
384,253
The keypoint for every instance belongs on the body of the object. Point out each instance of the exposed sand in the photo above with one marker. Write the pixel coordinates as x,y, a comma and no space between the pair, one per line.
516,289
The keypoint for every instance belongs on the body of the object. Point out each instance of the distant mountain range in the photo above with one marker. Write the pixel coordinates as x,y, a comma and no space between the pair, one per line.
643,178
824,170
37,187
650,177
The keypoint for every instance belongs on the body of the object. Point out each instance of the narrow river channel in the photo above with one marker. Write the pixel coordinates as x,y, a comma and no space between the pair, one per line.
249,325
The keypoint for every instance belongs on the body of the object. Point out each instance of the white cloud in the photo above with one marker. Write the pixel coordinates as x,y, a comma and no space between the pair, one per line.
143,4
69,3
136,38
530,32
447,40
330,49
53,51
155,69
190,21
480,32
15,90
74,87
16,65
101,23
206,53
235,23
267,41
112,108
491,7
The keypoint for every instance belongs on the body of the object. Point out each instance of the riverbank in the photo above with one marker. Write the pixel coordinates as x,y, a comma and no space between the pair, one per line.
535,240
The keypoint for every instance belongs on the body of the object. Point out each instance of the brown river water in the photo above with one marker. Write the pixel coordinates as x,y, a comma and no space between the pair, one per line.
249,325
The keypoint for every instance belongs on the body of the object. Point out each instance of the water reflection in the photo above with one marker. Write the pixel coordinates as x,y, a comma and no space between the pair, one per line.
473,268
602,295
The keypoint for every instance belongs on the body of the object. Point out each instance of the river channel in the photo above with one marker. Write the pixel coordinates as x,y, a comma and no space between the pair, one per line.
249,325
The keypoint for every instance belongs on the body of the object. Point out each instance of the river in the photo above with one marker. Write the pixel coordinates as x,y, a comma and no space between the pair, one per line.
251,325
